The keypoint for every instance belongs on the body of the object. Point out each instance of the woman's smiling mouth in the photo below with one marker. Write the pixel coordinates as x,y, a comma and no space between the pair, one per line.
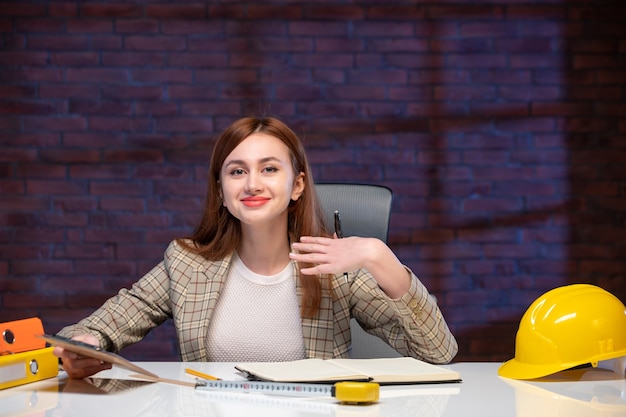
254,201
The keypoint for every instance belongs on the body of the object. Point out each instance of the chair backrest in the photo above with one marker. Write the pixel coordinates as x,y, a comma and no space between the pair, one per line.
365,210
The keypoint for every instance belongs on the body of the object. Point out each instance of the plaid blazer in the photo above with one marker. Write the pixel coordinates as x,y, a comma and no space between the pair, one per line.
185,287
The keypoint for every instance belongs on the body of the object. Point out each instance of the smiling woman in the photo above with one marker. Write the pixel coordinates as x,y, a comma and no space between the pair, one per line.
261,278
258,174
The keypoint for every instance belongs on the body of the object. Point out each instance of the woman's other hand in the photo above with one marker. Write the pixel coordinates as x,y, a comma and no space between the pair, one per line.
77,366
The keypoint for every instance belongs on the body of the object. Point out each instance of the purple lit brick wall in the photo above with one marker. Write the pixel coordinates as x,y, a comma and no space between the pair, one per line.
500,127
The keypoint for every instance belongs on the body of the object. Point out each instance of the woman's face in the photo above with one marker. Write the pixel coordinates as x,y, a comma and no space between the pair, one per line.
258,180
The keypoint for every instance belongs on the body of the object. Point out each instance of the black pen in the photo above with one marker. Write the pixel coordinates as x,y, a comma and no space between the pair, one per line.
339,234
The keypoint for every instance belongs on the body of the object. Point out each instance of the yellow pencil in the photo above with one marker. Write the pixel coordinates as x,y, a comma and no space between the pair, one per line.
201,375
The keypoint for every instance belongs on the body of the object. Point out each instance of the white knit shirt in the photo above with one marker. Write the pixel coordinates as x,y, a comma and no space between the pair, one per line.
257,318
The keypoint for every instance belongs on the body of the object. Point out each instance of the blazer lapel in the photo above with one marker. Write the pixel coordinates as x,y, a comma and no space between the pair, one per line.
201,292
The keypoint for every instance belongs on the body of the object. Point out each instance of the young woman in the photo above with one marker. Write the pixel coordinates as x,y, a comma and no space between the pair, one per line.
261,279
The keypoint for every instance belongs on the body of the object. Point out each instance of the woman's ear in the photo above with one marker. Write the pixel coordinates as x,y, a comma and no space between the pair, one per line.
298,187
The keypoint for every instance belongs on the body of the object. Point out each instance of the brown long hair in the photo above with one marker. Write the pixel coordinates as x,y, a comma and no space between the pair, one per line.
219,233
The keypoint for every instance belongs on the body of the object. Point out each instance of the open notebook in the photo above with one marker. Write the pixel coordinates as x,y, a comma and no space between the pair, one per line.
405,370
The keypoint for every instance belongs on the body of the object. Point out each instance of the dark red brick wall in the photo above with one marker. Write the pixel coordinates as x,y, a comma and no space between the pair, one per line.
499,125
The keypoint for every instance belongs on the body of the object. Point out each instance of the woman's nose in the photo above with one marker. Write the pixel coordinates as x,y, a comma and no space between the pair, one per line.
253,184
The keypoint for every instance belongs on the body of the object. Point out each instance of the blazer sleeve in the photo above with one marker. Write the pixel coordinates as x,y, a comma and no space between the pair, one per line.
127,317
413,324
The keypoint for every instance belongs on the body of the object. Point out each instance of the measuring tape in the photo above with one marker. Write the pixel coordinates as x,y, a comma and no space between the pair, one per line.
346,392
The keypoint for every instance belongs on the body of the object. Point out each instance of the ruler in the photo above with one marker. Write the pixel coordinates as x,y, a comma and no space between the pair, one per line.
346,392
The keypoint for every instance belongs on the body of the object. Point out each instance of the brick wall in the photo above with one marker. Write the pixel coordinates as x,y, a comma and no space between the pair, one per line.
499,125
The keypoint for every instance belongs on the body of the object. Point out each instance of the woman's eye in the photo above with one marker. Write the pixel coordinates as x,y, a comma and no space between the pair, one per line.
271,169
237,171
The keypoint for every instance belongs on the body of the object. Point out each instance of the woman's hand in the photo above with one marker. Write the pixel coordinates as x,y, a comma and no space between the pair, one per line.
330,256
76,366
335,256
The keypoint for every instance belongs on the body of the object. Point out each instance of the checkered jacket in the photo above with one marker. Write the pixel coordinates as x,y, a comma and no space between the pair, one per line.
185,287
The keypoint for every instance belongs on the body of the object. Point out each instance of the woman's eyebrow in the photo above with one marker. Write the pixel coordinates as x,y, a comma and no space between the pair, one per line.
269,159
262,161
233,162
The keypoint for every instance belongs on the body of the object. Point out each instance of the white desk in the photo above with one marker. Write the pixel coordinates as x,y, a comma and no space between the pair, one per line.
584,393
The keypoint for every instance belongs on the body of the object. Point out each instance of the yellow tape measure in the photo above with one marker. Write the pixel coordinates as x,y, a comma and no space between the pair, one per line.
356,392
345,392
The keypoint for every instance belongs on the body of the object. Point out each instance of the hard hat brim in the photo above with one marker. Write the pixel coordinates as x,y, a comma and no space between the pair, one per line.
517,370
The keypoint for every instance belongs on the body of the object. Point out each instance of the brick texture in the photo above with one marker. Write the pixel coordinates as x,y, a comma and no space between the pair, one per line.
499,126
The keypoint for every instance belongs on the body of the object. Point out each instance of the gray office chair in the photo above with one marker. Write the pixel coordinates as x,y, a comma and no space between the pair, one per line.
365,211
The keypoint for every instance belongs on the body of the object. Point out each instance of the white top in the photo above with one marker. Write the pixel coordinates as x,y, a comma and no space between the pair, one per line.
257,318
580,393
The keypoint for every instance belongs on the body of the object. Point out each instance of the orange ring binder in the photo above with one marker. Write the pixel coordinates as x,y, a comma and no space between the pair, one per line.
21,336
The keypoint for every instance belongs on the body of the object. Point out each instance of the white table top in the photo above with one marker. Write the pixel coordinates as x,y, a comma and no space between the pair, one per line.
588,393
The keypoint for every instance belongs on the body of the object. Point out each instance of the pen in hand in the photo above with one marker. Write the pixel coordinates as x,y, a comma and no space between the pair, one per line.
339,234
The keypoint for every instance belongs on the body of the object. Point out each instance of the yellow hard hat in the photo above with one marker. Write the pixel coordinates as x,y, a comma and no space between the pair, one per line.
566,327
